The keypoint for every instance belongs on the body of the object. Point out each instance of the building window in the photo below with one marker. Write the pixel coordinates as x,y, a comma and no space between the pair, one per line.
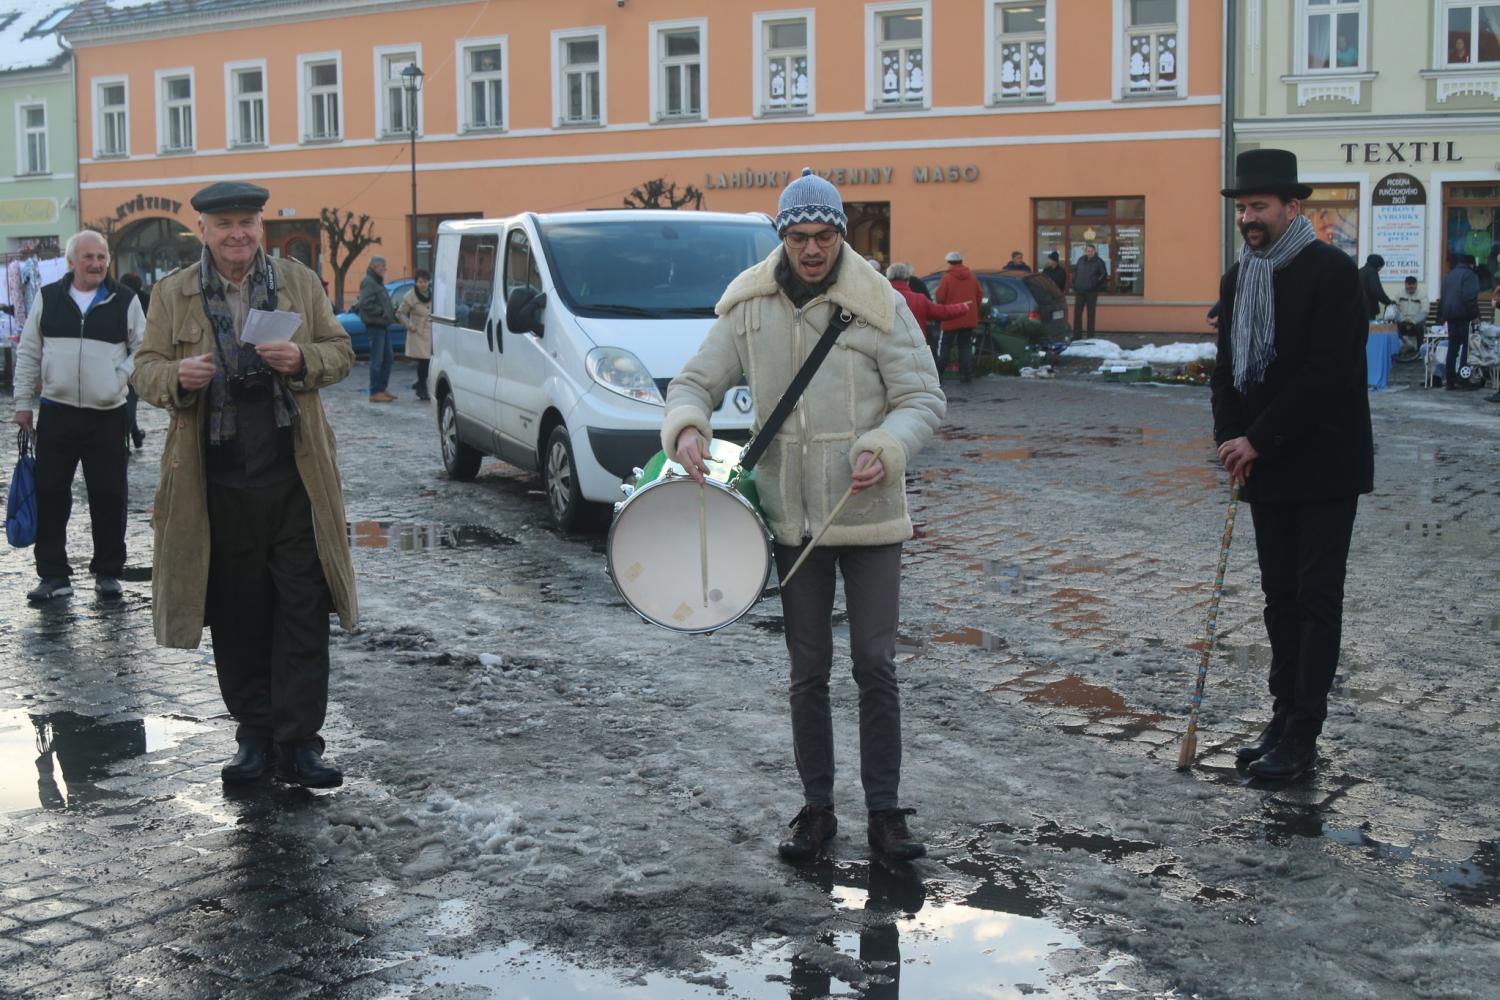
33,144
580,62
900,57
679,70
113,133
1333,210
1021,50
1471,225
399,108
176,96
483,81
247,99
1151,55
319,78
785,79
1115,226
1333,34
1471,33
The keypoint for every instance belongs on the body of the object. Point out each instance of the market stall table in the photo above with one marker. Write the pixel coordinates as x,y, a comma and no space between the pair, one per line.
1384,344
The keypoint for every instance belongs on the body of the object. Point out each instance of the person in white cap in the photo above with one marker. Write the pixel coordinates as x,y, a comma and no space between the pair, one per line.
869,409
957,286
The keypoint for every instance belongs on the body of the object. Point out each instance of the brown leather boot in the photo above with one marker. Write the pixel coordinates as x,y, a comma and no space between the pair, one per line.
889,835
812,828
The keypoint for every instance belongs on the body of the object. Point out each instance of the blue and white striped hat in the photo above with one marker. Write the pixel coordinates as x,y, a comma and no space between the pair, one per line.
810,198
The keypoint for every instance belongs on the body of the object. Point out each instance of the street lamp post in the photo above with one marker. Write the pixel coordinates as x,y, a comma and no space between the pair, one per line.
411,82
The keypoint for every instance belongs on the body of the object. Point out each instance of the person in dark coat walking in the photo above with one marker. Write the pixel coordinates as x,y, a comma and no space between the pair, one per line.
379,315
1369,283
1056,273
1292,425
1458,308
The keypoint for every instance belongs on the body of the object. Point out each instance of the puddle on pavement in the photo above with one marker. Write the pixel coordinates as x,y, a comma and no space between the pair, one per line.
1096,702
419,537
54,760
977,637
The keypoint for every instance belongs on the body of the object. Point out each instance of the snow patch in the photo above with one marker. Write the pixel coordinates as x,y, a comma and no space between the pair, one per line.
1166,354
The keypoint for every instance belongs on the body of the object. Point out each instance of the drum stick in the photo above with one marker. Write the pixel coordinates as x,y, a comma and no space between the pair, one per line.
703,535
874,457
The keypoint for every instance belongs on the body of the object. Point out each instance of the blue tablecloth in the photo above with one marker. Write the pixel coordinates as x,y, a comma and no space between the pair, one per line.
1379,350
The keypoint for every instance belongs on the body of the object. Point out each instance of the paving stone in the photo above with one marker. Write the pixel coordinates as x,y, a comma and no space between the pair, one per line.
45,909
52,934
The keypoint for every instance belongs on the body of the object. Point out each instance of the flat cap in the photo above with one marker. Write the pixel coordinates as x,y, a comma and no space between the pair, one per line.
954,257
226,196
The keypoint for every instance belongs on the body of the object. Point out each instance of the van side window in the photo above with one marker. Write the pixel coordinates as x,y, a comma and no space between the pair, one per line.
474,287
520,266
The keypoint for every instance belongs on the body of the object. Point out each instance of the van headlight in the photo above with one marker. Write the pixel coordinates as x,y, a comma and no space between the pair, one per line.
622,372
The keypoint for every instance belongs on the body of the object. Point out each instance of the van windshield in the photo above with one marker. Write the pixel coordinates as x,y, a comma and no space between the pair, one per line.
651,268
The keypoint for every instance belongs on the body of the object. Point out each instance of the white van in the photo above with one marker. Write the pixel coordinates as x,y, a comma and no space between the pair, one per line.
554,338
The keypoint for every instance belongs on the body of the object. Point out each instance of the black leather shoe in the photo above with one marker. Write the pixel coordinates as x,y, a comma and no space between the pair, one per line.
813,827
1264,742
250,761
1286,760
302,765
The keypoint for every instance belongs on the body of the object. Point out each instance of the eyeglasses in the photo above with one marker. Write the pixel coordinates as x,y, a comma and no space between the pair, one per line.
825,239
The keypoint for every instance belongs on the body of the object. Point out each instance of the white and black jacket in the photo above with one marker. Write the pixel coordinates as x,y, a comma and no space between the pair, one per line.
79,360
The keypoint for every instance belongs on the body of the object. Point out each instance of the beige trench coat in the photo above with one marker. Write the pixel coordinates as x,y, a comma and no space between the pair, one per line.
178,328
416,316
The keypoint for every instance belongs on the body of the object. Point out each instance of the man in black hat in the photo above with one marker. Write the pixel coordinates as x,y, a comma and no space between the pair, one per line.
1055,272
249,519
1292,425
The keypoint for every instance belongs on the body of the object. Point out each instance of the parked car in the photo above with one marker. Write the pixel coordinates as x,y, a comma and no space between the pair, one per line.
1010,297
554,338
355,327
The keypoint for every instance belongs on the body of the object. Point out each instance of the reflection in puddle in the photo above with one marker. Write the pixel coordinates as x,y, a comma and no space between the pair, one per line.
979,637
55,760
1096,702
413,537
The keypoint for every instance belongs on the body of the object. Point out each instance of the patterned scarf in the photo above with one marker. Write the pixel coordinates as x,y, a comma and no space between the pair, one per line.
231,357
1254,332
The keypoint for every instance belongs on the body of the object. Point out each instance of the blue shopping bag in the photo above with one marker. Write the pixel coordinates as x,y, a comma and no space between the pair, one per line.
20,500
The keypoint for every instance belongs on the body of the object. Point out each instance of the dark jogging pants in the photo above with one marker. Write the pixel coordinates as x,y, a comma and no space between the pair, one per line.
65,437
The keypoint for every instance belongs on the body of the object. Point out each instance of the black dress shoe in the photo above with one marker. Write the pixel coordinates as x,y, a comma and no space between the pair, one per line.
253,759
1264,742
1286,760
302,765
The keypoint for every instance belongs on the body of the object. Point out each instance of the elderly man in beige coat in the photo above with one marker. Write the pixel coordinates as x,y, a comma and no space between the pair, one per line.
873,404
249,513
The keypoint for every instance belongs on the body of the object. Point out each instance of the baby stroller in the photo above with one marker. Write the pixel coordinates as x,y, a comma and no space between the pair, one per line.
1482,363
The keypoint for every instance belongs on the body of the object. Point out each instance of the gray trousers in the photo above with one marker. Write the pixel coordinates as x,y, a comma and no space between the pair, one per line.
872,589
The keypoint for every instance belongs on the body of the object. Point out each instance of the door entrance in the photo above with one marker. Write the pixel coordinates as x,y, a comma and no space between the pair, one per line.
870,229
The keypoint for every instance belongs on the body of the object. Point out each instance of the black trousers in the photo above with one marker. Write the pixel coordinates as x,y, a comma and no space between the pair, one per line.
1458,350
268,607
1082,300
872,588
965,340
1304,552
65,437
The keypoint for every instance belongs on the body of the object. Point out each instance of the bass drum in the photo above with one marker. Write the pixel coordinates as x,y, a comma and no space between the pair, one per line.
655,555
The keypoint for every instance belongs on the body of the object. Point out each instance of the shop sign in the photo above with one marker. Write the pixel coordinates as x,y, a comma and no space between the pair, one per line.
1398,222
842,176
27,211
1400,152
147,203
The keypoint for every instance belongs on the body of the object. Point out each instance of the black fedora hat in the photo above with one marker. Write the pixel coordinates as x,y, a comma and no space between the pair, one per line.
1266,171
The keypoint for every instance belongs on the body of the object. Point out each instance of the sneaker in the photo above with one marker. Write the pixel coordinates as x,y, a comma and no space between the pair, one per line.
889,835
48,589
107,586
812,828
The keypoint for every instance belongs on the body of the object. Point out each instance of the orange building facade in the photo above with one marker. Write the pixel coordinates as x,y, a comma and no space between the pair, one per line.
984,126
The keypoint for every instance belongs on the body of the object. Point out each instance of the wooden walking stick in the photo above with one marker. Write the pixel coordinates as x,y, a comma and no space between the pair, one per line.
1210,639
807,551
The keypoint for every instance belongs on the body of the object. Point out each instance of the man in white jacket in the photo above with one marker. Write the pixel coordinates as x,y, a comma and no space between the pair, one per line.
872,405
79,341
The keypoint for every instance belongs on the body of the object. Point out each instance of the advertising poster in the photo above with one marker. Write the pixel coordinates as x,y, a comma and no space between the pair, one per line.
1398,224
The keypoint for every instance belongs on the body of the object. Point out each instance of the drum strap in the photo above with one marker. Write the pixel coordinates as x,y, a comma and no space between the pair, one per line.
757,447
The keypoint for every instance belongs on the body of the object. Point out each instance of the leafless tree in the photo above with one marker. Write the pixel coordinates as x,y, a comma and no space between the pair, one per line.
348,237
659,194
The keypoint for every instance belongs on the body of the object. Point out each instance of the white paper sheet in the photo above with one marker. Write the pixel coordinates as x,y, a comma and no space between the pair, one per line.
265,327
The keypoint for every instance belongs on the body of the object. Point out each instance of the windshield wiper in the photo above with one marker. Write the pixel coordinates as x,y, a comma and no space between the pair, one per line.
687,311
654,312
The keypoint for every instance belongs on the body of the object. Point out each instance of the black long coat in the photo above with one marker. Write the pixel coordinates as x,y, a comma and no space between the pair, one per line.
1310,417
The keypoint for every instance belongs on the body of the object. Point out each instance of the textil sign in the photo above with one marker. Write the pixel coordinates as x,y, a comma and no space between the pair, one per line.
1398,223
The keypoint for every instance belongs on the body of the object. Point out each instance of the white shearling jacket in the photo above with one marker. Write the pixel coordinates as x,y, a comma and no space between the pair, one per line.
877,388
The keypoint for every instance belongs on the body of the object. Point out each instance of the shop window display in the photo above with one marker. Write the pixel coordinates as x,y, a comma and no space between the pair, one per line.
1333,211
1116,227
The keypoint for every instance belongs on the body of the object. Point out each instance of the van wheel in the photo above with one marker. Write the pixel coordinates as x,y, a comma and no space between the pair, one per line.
570,511
460,461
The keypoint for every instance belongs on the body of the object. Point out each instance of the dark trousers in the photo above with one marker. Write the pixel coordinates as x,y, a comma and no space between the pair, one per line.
65,437
1304,551
423,364
381,358
268,606
1458,350
965,340
1082,300
872,589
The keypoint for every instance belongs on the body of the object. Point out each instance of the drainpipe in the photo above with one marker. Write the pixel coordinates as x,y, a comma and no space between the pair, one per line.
1226,155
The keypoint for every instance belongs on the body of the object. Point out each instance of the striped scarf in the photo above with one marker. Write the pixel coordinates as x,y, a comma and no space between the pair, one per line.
1254,332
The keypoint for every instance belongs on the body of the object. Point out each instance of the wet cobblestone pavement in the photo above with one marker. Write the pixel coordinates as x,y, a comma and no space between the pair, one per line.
546,797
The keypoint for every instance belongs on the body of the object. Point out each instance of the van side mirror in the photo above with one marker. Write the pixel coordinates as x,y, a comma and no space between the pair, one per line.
523,310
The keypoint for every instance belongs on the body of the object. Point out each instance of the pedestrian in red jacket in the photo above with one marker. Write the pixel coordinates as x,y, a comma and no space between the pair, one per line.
924,309
959,286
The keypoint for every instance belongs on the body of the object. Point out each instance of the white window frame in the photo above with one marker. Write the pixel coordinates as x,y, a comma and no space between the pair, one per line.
461,49
560,38
1440,41
1121,59
164,110
410,54
759,23
23,149
657,65
96,86
231,119
873,13
992,26
1299,50
306,95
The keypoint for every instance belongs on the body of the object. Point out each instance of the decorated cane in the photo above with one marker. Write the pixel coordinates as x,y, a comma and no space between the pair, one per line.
1210,640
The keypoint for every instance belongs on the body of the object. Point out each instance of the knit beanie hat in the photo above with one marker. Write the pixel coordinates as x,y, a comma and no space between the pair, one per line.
810,198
